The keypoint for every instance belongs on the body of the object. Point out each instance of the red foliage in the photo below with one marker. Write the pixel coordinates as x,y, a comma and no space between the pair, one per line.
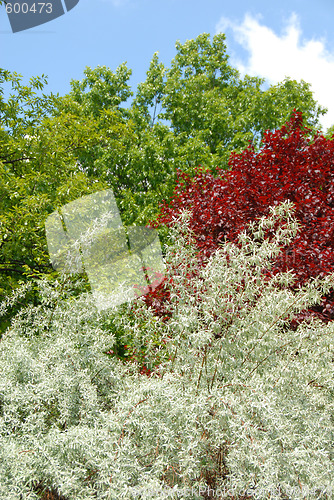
291,165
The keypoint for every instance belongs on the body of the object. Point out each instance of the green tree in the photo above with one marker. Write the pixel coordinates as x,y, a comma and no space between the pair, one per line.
135,158
102,89
38,172
211,108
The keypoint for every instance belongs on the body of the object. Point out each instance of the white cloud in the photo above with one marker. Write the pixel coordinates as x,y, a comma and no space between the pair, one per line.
275,57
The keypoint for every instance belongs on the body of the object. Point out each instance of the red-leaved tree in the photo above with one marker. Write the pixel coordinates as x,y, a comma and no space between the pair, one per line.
291,165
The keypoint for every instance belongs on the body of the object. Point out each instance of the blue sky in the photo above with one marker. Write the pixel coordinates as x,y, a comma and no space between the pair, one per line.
266,38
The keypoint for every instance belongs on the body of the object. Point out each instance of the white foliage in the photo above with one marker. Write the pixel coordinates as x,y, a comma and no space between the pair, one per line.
239,402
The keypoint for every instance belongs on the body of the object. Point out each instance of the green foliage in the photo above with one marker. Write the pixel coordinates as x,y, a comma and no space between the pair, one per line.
208,104
102,89
236,401
330,132
39,172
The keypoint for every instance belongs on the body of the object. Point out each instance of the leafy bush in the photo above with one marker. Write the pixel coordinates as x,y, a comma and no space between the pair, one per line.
291,165
237,402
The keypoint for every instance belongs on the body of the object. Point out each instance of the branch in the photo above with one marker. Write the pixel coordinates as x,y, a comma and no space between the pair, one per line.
19,159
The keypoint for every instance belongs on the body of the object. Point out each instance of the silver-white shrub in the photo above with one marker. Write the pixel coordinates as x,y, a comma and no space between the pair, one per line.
239,402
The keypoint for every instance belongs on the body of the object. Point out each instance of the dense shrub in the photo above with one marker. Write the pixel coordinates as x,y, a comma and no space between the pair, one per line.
291,165
239,402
